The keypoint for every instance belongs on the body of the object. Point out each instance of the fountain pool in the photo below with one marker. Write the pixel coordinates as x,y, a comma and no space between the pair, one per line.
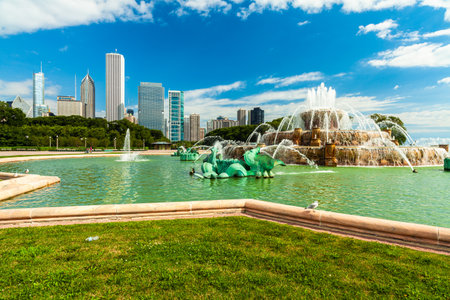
390,193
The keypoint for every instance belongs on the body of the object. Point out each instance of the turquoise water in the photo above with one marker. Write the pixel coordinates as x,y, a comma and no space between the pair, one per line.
390,193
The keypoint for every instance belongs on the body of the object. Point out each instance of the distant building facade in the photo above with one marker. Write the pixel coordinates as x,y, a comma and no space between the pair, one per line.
87,96
151,105
130,116
194,124
176,116
221,122
256,116
187,129
241,116
18,102
115,86
202,133
39,107
69,106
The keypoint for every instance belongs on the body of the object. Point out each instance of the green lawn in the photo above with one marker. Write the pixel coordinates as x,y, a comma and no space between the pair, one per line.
234,257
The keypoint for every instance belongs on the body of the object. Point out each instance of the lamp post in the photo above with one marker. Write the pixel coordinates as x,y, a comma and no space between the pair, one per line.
27,140
56,142
115,143
85,143
143,144
50,142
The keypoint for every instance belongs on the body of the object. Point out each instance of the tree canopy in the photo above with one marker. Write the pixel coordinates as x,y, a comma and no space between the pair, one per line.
72,131
391,122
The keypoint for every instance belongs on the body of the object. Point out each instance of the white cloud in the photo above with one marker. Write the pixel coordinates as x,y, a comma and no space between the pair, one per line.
396,87
286,81
64,49
203,7
214,90
445,80
426,118
364,103
416,55
383,30
443,32
445,4
316,6
14,88
53,90
100,113
303,23
30,16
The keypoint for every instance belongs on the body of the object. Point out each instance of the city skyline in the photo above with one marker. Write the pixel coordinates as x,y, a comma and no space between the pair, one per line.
392,58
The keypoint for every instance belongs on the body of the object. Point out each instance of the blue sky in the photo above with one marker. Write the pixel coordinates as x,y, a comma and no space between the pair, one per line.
385,56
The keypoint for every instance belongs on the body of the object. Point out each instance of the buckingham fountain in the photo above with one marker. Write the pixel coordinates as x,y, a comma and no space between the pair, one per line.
319,133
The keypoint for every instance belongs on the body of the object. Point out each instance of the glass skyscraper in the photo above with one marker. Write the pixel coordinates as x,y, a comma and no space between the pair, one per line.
151,105
87,96
39,106
176,116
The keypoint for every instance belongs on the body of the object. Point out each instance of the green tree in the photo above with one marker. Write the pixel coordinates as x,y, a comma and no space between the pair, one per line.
393,123
11,116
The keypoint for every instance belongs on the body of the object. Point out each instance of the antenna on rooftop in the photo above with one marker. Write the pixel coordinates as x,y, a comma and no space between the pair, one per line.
41,66
75,86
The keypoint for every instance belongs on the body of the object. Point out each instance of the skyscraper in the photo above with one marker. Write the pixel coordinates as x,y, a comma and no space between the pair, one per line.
151,105
256,116
39,106
187,129
176,114
194,123
115,86
241,113
87,96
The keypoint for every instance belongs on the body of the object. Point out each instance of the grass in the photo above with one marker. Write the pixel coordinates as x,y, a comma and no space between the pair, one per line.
233,257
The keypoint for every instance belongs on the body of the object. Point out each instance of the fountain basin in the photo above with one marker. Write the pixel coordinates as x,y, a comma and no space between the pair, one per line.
389,193
348,155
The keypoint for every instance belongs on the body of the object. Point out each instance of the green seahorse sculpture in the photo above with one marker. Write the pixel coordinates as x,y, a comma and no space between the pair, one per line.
255,164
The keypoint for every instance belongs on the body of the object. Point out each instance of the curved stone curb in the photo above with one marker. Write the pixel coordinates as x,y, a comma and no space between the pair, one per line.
400,233
423,235
13,186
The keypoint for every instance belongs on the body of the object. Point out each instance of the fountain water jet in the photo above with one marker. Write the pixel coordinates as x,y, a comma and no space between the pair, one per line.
318,131
128,155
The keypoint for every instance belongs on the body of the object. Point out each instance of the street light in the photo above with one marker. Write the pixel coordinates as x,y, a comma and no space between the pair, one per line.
115,143
50,141
56,142
143,144
85,143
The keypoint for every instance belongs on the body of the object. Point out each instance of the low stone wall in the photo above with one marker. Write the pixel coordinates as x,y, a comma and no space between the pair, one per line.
12,185
401,233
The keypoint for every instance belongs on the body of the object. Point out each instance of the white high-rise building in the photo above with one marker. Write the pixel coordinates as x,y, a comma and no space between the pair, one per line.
241,114
115,86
